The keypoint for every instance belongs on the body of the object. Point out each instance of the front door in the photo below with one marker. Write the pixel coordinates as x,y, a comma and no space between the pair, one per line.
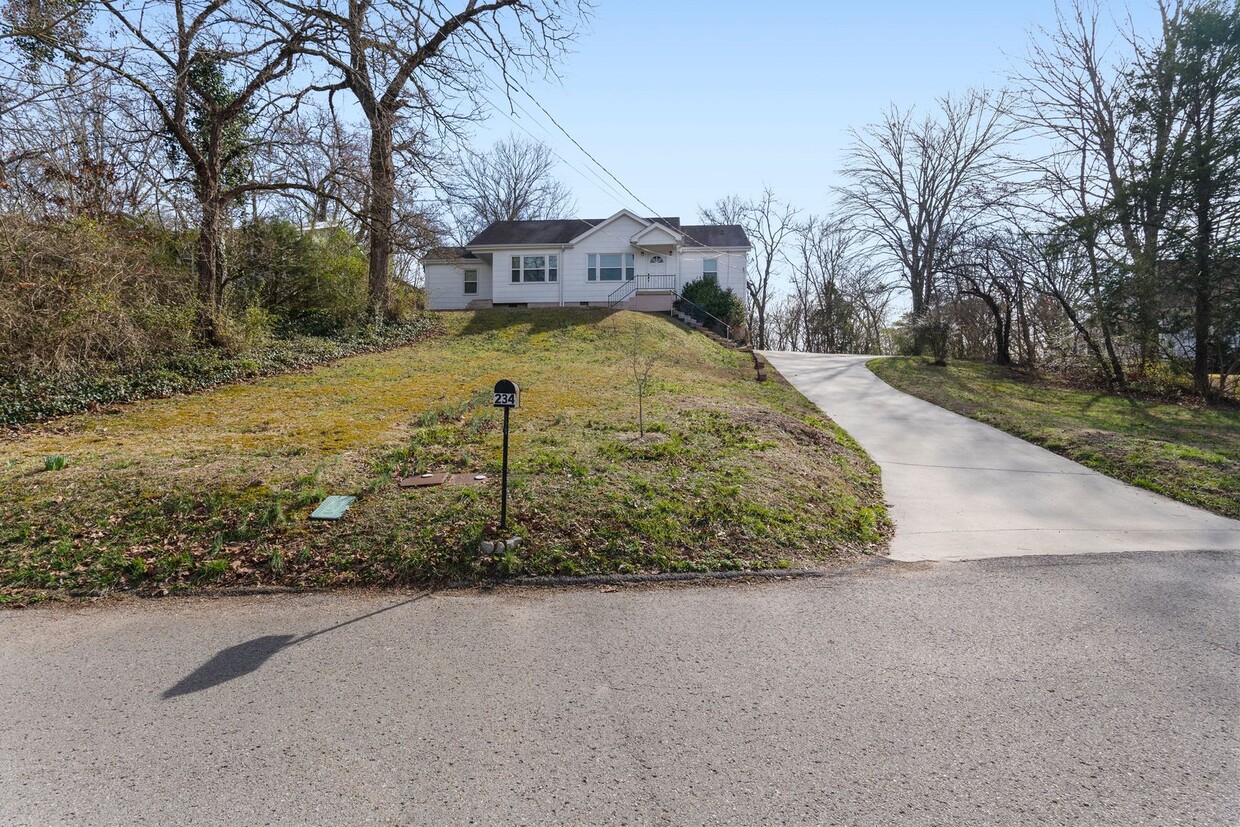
658,266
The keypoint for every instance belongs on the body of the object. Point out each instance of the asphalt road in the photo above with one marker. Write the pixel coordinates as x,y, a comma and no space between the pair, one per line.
960,490
1088,690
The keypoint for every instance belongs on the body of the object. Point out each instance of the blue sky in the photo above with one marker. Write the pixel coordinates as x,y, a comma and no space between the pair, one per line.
688,101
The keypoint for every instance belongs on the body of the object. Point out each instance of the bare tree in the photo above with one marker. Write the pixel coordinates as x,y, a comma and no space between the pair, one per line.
207,75
918,186
327,158
415,66
1064,267
645,352
842,298
787,319
769,223
730,209
76,152
989,267
1118,134
513,181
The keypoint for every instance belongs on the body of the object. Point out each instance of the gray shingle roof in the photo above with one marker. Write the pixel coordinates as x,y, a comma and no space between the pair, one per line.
562,231
557,231
715,235
449,254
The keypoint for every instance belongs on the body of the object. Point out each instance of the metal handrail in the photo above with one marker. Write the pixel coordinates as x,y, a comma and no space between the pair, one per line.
628,286
727,330
657,282
660,282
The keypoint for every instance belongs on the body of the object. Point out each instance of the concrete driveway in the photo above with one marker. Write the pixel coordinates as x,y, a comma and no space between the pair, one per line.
959,490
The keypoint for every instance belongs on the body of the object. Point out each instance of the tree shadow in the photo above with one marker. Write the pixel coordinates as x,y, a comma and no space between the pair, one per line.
250,656
231,663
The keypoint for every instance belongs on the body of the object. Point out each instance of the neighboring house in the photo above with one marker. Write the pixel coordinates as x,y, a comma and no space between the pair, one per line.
640,263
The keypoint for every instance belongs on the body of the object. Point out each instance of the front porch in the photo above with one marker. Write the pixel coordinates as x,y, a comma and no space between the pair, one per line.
653,292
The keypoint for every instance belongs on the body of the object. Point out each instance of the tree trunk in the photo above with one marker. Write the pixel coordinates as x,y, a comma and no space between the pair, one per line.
1116,368
1025,329
379,216
1003,339
210,266
1202,282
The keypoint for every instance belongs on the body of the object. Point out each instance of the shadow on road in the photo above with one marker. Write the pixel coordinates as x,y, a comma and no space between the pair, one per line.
244,658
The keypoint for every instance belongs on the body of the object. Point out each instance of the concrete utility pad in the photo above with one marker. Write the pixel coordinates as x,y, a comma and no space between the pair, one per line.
960,490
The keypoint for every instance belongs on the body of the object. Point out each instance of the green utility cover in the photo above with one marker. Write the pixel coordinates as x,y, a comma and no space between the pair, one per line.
332,508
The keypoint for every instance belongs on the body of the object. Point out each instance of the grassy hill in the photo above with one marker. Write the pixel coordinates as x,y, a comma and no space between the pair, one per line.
213,489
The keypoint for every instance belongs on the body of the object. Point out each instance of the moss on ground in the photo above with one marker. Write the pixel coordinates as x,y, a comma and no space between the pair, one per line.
1186,449
210,490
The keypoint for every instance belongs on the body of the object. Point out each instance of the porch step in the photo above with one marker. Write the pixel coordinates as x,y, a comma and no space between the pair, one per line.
693,324
685,318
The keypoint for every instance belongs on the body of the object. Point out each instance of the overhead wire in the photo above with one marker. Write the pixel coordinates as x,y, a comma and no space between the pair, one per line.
654,215
588,176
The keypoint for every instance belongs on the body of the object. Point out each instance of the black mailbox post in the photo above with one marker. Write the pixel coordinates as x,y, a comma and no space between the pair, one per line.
507,396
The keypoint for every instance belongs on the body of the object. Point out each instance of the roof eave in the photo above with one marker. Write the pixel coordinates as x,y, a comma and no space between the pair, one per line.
492,248
608,220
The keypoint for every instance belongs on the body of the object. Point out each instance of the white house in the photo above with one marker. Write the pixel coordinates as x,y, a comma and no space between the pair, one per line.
626,260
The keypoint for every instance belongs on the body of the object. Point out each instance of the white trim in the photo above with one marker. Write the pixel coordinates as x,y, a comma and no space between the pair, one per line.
606,221
677,237
546,268
491,248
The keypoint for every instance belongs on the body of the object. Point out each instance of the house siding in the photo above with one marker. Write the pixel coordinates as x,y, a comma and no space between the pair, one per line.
731,268
574,286
444,281
445,284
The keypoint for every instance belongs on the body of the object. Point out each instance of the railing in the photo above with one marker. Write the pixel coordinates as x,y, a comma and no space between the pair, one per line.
665,284
702,314
642,284
656,284
620,293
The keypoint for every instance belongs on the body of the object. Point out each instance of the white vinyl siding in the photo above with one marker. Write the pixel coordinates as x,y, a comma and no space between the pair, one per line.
576,278
575,285
446,284
729,268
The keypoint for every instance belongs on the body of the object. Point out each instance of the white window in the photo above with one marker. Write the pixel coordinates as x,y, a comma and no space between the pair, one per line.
710,269
471,282
535,268
609,267
656,259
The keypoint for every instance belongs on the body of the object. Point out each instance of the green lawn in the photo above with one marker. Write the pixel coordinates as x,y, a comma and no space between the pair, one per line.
1188,451
213,489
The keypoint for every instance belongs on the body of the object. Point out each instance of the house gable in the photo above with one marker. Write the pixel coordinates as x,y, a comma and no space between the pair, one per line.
624,224
656,235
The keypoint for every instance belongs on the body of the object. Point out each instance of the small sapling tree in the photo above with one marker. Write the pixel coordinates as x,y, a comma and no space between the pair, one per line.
645,352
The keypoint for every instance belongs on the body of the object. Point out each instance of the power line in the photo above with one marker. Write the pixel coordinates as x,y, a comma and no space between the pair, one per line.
589,176
653,212
584,151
